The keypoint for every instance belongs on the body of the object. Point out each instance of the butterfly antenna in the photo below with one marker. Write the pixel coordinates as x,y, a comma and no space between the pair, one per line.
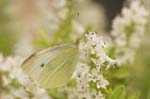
77,42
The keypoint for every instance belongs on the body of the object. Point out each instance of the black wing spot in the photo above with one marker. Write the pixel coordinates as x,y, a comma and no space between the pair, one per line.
42,65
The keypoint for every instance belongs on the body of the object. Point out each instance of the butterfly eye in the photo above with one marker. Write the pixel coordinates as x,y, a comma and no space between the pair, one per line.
42,65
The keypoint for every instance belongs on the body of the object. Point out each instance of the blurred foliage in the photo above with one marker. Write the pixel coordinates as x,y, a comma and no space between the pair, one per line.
120,92
140,79
140,72
7,41
7,38
117,93
64,30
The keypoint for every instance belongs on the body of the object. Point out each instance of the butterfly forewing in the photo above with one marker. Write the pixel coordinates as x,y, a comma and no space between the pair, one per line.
52,67
34,62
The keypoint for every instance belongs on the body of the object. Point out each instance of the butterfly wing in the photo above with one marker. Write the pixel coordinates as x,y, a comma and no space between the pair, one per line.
52,67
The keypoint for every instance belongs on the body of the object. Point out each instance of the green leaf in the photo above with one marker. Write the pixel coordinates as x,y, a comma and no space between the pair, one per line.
118,93
120,73
44,37
44,40
148,96
111,52
135,96
56,95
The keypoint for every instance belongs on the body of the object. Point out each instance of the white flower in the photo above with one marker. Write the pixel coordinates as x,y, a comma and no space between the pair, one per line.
128,30
101,82
97,95
98,49
87,73
17,83
96,77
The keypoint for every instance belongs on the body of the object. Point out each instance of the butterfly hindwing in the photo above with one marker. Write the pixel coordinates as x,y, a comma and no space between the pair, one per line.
60,75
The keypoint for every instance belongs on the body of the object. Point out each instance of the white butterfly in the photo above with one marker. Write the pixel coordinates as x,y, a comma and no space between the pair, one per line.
52,67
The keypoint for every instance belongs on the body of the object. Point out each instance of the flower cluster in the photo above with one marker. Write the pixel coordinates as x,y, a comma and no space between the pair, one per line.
15,84
90,80
128,30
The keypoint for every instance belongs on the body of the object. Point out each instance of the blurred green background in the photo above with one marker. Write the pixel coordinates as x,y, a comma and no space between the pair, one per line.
7,36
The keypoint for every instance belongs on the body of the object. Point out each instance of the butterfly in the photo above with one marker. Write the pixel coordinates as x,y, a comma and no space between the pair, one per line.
54,66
